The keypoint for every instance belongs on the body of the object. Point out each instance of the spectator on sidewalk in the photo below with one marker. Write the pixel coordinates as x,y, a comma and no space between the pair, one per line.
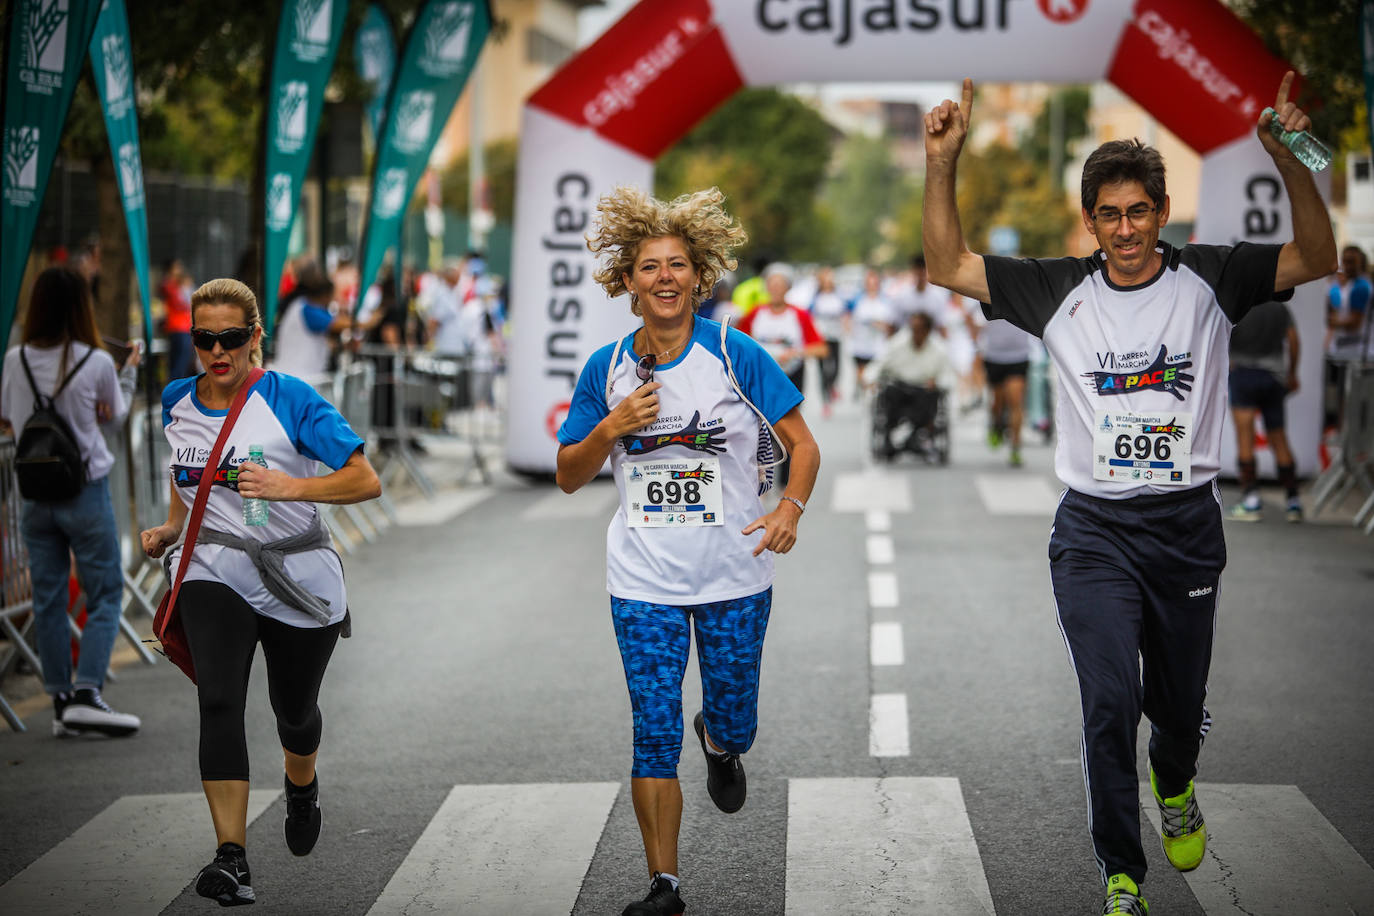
307,324
177,323
60,342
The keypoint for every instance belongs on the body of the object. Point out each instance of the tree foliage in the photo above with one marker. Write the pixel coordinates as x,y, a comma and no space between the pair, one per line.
1321,38
500,160
768,152
1000,187
1074,102
863,194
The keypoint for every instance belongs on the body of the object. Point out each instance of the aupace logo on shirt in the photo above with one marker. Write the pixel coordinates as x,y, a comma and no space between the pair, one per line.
226,475
1164,374
692,436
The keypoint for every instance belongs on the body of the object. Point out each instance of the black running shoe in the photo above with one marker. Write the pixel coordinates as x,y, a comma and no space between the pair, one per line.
663,900
87,713
226,879
302,816
724,774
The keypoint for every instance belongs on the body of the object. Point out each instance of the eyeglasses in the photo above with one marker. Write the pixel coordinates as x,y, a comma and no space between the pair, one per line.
1135,214
645,368
229,338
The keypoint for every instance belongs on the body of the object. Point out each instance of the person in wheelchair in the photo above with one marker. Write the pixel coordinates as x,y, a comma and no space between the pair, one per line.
910,376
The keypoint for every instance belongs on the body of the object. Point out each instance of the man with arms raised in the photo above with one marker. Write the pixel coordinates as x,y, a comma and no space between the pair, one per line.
1138,332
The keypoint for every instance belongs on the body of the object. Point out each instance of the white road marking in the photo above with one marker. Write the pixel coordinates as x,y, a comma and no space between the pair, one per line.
885,645
1271,852
882,589
878,520
1014,494
131,859
872,847
871,489
888,733
502,849
880,550
597,498
444,507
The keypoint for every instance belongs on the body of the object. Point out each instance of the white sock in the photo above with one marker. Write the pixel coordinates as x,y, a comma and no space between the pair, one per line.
672,879
712,751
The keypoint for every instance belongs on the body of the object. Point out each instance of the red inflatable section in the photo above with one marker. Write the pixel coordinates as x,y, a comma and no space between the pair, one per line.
643,84
1198,69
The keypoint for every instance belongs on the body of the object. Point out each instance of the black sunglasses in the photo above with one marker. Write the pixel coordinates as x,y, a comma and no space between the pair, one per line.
645,368
229,338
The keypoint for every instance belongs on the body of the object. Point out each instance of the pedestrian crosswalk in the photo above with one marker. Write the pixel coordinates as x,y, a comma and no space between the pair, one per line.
854,846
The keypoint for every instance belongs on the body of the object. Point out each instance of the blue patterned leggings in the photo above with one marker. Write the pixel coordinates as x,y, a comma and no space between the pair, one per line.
654,641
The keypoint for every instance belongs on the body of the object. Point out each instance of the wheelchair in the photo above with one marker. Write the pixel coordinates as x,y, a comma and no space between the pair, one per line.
910,418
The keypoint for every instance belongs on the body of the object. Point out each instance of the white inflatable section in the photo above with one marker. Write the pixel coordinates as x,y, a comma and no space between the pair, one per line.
563,171
781,41
1243,200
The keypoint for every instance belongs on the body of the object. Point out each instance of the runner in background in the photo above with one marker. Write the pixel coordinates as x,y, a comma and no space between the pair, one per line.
1261,377
830,313
1139,333
871,321
1006,352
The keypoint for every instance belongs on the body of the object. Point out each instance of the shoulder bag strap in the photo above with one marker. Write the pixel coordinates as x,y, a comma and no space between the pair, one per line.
38,398
207,478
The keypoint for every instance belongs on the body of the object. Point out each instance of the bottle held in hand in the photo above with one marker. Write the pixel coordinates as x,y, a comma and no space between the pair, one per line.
255,511
1310,151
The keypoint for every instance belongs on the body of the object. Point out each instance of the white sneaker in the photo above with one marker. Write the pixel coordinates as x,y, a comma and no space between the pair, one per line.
88,713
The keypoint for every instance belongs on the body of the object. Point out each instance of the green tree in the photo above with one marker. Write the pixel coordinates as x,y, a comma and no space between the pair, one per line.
1321,38
999,187
501,157
863,194
1074,103
768,152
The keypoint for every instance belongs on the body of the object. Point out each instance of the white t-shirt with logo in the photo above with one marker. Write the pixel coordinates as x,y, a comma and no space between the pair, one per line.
298,430
700,417
1154,350
872,320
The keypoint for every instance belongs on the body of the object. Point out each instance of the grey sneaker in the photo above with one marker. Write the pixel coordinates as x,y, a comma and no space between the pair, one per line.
1293,514
1243,513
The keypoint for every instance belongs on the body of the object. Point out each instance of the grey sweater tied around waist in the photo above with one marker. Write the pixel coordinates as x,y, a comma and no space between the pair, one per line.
270,560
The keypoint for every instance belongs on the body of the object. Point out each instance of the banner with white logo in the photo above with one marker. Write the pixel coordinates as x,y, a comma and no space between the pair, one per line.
374,55
45,48
308,36
112,65
440,51
667,63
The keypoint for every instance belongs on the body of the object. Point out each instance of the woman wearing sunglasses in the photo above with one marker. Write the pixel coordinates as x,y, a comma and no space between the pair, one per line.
234,596
679,406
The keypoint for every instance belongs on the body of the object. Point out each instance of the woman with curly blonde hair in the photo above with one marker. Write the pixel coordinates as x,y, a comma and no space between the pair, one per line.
688,412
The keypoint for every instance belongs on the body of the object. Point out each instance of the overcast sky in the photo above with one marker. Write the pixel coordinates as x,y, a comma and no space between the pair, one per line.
594,20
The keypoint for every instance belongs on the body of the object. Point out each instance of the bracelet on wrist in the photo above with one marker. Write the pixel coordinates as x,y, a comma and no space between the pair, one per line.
801,506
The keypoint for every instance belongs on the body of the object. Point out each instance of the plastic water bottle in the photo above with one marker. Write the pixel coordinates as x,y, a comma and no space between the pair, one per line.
255,511
1310,151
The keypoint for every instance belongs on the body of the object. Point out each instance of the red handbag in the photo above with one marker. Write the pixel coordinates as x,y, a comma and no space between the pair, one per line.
167,625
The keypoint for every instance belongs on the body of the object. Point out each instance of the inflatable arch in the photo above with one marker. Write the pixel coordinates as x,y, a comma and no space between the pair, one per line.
604,117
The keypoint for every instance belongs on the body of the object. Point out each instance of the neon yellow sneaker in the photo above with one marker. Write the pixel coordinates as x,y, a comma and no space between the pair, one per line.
1123,898
1184,831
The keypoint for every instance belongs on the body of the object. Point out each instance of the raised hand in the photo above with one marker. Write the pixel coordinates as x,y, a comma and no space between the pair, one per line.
1289,117
947,126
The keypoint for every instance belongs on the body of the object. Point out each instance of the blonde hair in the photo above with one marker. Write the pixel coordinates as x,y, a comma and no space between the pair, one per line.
227,291
628,217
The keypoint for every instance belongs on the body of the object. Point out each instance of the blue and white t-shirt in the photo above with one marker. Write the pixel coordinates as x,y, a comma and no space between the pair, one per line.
699,415
297,429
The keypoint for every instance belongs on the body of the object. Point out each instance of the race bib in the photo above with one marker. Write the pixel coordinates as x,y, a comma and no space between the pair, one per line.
1135,448
673,493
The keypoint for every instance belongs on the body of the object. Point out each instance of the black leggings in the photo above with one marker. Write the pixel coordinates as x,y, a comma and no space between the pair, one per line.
223,631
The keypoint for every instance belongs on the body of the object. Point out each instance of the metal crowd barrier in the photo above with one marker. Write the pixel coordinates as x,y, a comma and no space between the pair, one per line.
1355,462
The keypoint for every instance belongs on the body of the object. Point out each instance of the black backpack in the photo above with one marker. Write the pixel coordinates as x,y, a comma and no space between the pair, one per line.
47,457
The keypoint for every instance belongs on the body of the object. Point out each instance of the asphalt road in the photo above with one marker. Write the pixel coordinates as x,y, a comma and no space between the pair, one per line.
483,656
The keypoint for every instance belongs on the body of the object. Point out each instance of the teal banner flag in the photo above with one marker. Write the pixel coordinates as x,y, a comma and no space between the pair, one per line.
45,49
440,52
307,43
374,54
112,66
